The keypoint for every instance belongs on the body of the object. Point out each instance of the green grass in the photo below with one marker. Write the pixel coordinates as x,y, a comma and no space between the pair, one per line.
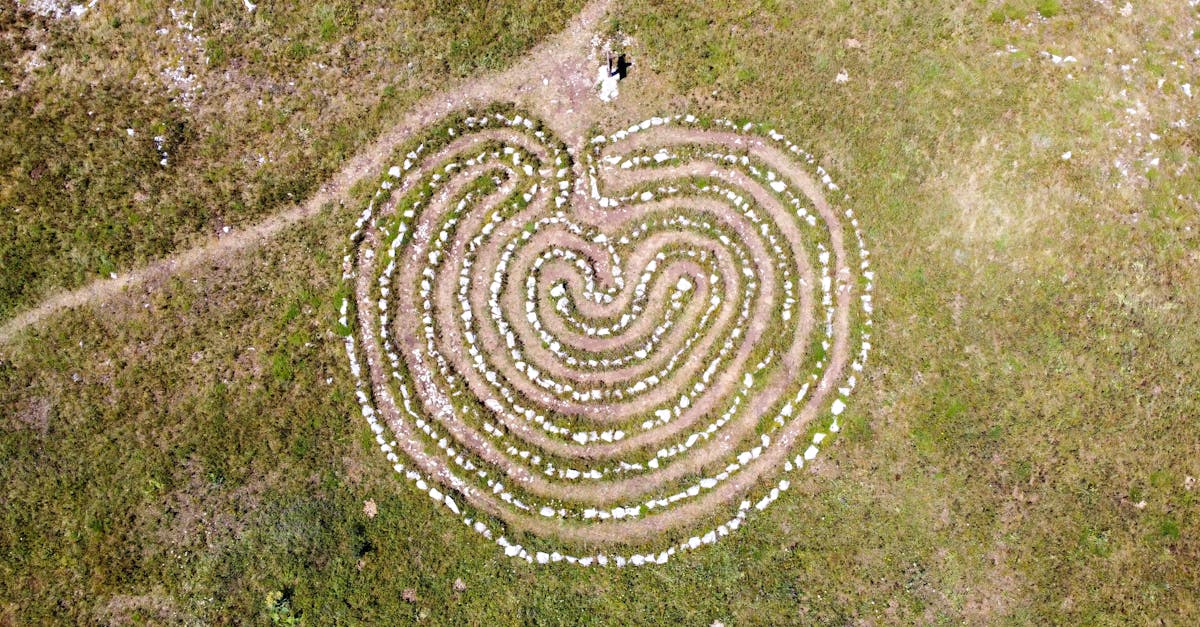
300,86
1033,383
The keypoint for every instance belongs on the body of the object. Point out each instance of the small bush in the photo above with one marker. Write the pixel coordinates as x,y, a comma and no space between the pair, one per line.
1049,8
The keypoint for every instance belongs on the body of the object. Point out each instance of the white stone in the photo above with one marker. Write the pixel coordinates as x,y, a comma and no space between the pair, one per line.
608,85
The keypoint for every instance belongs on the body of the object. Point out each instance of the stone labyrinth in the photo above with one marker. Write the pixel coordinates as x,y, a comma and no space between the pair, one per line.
606,358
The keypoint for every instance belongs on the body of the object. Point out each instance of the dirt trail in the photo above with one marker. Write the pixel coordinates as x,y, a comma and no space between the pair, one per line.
554,79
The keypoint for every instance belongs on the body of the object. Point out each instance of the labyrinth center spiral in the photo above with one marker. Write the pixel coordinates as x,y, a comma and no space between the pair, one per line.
603,350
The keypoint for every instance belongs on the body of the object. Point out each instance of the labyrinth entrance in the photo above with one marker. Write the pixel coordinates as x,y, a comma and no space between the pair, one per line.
604,358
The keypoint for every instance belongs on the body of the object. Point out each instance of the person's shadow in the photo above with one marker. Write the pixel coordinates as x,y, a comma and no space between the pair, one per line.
621,69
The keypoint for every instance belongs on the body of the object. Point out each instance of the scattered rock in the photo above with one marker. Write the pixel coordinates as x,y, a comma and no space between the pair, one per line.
459,585
369,508
409,594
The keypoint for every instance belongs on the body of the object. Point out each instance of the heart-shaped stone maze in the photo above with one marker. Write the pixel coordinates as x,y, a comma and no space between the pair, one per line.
612,357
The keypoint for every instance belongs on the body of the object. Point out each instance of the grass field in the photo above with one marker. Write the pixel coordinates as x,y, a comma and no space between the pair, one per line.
254,111
1022,450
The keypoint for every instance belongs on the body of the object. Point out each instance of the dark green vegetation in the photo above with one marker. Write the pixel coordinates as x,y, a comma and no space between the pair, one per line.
1020,452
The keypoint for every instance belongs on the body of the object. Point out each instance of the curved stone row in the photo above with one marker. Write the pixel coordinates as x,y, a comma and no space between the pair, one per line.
509,369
